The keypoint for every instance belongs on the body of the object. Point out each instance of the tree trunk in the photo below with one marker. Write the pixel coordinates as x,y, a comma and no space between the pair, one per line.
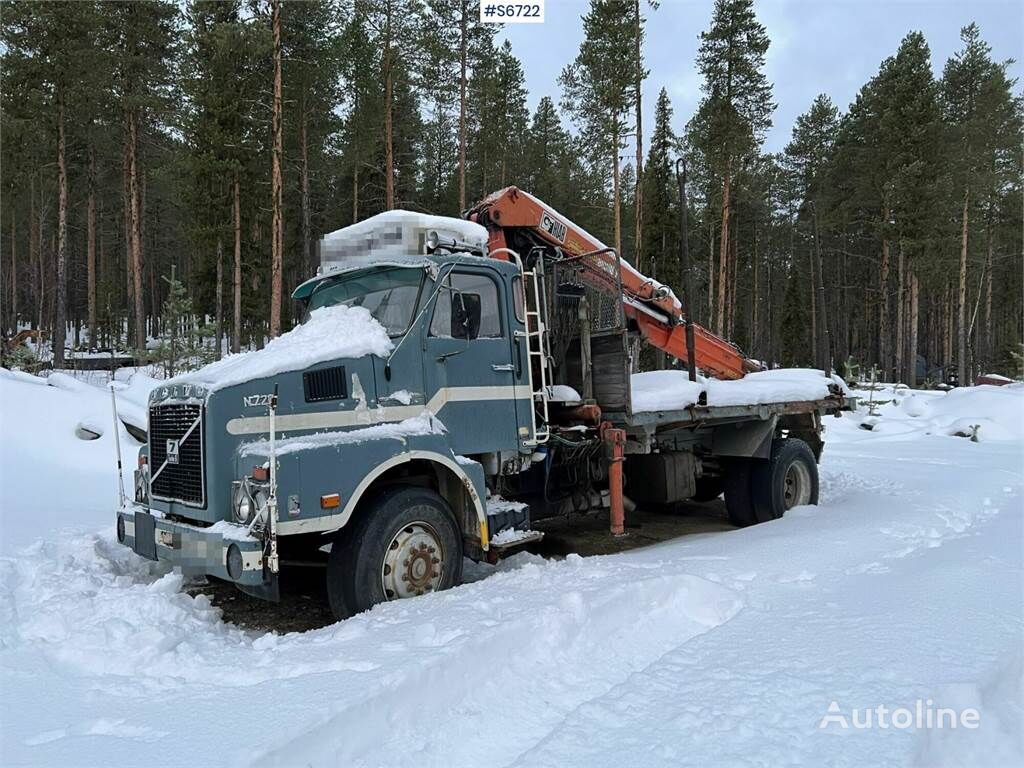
136,233
60,306
307,245
463,53
987,354
884,359
901,300
220,298
723,257
355,193
389,149
236,280
912,362
731,292
90,248
14,274
961,302
947,335
815,349
34,255
638,196
711,266
276,229
755,345
616,193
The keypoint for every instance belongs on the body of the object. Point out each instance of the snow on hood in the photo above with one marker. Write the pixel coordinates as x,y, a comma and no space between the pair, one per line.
424,424
329,333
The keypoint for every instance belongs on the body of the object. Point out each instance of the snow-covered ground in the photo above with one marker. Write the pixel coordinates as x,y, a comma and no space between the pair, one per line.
905,584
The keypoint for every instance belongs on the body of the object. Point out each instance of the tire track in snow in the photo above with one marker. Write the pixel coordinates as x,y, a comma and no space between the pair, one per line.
566,639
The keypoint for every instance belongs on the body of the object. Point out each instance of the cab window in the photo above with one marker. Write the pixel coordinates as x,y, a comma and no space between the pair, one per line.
390,295
467,308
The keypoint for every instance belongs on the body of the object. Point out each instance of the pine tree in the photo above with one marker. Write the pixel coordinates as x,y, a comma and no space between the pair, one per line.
979,108
598,88
47,46
498,120
736,109
807,154
393,25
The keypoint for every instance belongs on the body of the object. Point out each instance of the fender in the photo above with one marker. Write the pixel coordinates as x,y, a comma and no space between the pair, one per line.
330,523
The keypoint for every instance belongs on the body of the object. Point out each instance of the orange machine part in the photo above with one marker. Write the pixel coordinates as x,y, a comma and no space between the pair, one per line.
513,208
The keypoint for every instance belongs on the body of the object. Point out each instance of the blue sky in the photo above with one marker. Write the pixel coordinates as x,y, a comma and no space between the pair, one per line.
829,46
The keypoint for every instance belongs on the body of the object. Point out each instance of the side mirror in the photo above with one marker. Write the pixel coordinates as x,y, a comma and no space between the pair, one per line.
465,315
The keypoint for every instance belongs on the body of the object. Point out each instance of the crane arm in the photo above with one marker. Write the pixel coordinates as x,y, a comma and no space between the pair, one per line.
657,312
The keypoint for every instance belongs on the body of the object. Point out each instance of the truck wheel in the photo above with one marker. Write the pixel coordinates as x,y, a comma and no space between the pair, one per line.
788,479
736,486
406,543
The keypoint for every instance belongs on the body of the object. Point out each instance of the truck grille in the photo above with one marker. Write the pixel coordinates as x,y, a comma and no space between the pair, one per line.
174,433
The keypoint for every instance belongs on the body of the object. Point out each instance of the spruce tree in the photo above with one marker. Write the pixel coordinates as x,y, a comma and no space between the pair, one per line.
736,109
660,211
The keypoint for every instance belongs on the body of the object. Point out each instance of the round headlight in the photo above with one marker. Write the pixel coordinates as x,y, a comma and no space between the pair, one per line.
243,504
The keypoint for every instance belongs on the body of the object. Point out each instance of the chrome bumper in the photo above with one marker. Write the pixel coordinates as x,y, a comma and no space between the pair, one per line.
229,554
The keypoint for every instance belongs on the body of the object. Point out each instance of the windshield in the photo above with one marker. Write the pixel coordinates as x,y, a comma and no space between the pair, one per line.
389,294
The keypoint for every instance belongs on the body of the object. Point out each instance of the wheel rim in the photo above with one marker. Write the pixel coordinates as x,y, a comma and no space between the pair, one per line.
797,486
413,562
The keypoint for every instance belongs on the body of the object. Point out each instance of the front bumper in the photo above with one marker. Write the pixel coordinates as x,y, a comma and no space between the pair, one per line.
196,550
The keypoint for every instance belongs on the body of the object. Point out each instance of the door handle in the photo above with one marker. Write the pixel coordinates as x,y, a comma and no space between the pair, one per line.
503,367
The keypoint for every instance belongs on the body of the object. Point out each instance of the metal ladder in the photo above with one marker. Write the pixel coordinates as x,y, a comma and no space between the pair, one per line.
536,330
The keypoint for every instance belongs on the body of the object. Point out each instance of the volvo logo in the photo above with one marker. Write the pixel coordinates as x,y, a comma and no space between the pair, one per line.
172,451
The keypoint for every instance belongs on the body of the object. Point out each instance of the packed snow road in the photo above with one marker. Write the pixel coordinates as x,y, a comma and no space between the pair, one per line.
904,585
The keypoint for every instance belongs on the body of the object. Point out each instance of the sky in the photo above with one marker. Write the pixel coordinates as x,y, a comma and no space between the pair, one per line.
817,46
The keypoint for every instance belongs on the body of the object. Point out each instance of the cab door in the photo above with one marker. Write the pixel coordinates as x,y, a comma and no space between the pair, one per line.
468,370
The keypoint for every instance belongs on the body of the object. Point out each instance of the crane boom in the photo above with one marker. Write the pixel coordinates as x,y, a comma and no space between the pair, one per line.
658,314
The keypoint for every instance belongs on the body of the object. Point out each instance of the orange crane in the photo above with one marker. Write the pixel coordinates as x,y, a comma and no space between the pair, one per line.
512,216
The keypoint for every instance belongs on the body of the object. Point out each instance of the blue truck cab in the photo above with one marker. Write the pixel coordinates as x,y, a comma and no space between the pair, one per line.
379,457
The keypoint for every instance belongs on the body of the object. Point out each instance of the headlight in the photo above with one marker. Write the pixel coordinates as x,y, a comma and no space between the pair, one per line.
242,503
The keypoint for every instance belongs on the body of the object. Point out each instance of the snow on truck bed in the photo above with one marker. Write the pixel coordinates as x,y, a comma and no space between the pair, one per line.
328,334
673,390
723,649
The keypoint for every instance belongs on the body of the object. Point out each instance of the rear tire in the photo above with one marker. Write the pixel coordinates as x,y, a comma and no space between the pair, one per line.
788,479
736,485
405,543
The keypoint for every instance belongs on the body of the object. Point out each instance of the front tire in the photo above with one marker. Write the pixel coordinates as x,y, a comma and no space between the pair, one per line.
405,543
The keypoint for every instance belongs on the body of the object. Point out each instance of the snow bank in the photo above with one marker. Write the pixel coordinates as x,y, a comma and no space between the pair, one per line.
424,424
983,413
330,333
673,390
104,660
51,478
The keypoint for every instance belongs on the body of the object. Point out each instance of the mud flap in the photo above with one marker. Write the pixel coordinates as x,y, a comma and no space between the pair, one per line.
145,535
